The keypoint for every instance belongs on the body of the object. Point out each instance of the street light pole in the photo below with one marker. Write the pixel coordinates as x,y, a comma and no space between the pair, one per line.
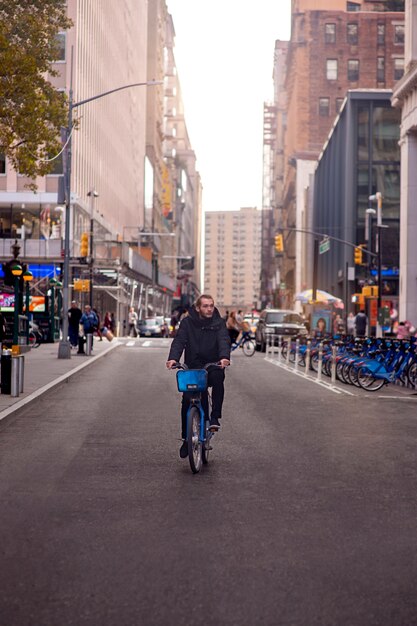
378,249
91,194
64,350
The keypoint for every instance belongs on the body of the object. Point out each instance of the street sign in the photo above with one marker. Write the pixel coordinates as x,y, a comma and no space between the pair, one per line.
324,245
81,284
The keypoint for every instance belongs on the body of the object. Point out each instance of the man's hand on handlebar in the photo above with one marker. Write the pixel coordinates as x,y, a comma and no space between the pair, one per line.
171,364
224,363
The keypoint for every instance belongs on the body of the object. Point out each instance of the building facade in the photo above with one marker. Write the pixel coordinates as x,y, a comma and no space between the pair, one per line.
405,99
122,186
335,46
232,253
360,159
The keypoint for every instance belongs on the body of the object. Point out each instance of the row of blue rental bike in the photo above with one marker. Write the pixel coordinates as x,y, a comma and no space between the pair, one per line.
368,362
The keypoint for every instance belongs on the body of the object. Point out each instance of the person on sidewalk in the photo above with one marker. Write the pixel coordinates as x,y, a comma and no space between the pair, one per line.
361,323
74,316
204,338
89,321
133,320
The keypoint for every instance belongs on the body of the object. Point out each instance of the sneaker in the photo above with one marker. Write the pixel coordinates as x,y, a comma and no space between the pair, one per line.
214,423
184,450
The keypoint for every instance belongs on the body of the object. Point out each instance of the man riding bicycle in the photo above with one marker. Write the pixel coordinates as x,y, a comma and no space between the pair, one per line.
204,338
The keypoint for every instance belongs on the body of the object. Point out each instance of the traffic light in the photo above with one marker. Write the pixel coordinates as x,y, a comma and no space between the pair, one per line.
279,243
358,256
84,245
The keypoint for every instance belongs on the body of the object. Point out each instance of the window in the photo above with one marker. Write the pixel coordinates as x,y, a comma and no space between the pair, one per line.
330,33
353,6
353,70
339,102
60,43
352,34
380,69
324,107
380,34
398,68
2,164
399,34
331,69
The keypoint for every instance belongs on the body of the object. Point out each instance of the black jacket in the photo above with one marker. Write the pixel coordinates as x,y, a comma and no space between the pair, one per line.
204,340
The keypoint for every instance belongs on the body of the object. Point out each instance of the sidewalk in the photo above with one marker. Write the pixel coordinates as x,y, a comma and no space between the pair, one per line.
43,370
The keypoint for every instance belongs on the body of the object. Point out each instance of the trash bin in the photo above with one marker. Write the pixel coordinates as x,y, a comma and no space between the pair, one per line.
81,342
6,371
88,343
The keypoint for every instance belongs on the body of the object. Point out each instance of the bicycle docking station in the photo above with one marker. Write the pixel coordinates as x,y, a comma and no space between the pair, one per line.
281,353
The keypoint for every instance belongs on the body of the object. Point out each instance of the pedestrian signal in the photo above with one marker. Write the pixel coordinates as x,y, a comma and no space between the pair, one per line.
358,256
279,243
84,245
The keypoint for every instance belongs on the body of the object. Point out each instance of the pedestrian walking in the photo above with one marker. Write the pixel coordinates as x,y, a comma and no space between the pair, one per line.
361,323
89,322
133,320
350,324
74,316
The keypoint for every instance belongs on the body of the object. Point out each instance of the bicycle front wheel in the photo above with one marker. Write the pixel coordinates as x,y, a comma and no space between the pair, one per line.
194,440
249,347
368,381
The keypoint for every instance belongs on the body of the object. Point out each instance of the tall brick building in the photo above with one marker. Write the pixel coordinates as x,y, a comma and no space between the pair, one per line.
335,46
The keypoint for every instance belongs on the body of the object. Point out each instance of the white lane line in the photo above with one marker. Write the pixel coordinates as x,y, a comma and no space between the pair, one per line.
398,398
146,344
130,343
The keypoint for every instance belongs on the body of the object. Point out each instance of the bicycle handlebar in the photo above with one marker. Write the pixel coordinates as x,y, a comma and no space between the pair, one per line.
183,366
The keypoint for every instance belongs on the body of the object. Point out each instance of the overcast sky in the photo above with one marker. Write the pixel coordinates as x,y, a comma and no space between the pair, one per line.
224,53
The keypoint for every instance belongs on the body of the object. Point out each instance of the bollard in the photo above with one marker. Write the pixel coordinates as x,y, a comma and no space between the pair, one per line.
6,371
279,349
297,351
320,363
21,373
308,357
88,343
334,350
15,389
288,350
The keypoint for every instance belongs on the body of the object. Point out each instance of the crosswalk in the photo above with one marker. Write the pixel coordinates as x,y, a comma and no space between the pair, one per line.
148,343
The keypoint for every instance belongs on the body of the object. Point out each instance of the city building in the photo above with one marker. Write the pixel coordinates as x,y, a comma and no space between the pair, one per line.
232,257
335,46
360,159
405,99
124,189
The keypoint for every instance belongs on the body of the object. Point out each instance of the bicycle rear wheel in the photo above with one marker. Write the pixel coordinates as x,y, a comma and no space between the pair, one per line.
248,347
412,374
367,380
194,440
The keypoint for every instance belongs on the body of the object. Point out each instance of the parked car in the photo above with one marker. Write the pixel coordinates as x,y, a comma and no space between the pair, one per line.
150,327
278,322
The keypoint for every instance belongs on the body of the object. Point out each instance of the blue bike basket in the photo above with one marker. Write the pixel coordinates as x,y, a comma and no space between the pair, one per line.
191,380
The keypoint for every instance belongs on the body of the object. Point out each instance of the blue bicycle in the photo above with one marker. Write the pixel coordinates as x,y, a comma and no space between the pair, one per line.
199,435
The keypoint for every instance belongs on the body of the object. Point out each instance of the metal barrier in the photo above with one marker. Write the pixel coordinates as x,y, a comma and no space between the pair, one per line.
88,343
297,352
307,359
15,387
320,363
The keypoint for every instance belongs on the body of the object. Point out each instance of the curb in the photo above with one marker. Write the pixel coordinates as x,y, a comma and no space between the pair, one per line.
57,381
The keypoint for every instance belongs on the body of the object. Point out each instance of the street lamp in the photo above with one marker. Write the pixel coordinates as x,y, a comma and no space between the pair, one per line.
27,277
64,350
17,270
378,249
92,194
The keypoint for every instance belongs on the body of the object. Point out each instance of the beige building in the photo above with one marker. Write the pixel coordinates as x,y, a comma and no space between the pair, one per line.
119,152
232,252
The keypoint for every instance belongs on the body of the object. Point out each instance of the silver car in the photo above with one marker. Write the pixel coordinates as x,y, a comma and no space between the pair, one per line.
278,322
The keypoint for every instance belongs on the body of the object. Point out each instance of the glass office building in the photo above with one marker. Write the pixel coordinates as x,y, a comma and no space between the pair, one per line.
360,158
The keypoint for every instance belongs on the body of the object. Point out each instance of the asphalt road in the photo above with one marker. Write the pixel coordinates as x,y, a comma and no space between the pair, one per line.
306,514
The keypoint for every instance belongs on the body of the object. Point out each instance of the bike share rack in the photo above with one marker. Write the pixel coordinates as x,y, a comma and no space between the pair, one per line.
273,354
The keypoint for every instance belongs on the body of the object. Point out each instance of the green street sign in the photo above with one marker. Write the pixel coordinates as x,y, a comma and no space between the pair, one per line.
324,245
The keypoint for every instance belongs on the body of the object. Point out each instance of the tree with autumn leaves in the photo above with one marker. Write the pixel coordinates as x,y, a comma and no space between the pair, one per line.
32,111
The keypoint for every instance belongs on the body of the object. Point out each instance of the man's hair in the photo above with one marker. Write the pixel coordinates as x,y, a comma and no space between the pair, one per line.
203,295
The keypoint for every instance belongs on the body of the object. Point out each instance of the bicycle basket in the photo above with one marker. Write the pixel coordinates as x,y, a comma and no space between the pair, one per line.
191,380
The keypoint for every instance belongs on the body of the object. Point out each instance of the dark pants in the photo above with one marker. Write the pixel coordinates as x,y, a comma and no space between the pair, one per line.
73,335
216,381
